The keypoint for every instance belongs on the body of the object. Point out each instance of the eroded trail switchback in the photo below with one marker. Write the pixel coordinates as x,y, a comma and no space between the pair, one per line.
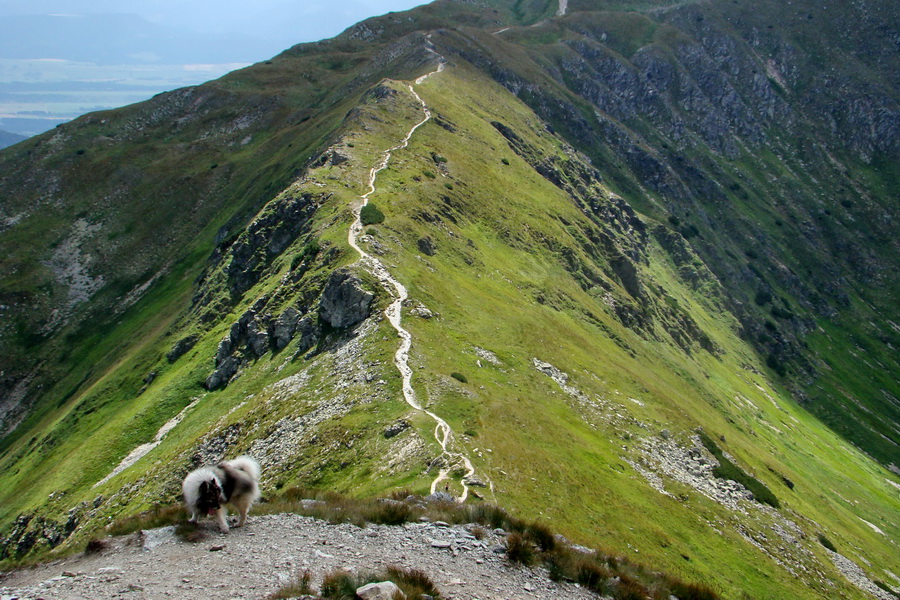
443,433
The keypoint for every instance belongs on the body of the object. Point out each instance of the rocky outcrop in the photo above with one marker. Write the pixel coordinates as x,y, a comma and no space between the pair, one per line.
182,347
344,301
255,334
396,429
284,328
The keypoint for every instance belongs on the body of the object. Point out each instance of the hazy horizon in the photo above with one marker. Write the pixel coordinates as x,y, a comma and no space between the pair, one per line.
62,58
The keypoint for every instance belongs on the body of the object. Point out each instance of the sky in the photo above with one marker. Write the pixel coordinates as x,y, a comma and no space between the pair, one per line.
63,58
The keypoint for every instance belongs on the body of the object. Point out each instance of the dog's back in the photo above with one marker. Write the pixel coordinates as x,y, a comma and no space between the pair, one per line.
240,482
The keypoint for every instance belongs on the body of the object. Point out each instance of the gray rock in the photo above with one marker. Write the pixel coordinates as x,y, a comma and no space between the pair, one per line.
385,590
665,434
426,246
309,334
344,302
226,347
181,347
285,327
396,429
221,376
257,338
440,497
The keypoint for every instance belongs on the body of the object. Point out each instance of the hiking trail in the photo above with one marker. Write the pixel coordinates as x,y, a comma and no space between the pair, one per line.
443,433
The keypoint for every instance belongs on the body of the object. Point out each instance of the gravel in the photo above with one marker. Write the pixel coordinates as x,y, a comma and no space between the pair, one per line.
254,561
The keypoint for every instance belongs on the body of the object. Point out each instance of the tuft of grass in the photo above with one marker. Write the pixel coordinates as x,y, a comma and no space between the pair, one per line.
339,585
159,516
519,549
413,582
542,536
300,585
692,591
190,532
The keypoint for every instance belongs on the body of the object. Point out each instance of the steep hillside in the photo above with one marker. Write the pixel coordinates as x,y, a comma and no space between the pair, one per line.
650,268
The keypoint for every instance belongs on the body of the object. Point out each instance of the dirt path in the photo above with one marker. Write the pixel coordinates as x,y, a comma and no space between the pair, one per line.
257,559
443,433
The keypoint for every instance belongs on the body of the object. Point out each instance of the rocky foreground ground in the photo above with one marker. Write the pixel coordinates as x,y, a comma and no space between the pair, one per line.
254,561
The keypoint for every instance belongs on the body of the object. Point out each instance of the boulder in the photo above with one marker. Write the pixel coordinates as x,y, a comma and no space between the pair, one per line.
396,429
221,376
309,334
384,590
344,302
226,347
257,338
426,246
181,347
285,327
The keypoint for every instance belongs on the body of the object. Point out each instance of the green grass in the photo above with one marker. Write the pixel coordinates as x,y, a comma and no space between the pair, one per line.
521,271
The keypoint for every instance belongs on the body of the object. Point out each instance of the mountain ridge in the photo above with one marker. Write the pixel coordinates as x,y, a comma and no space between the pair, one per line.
573,268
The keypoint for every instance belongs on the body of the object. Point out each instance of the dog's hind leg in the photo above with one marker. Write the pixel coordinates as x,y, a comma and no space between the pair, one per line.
220,519
243,508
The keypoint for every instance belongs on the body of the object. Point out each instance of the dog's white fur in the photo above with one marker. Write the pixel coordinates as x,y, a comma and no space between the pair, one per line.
245,493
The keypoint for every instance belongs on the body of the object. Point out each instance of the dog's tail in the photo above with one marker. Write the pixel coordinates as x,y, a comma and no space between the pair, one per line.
246,464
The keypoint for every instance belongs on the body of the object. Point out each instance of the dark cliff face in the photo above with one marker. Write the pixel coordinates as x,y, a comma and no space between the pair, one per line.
767,136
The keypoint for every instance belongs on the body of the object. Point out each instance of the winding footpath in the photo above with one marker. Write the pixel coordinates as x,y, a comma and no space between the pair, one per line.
443,433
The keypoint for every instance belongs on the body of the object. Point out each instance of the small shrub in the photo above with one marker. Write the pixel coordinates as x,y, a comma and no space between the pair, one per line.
479,532
780,313
449,186
826,542
505,161
762,297
459,377
391,513
96,546
885,587
438,159
688,231
371,231
774,363
429,174
729,470
519,549
370,215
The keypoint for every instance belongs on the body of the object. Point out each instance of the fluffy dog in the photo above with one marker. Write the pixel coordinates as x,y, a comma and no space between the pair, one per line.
208,489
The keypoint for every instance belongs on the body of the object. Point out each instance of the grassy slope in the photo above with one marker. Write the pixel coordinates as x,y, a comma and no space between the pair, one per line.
558,464
549,458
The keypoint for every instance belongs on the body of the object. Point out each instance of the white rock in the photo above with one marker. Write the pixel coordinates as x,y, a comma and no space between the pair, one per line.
384,590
